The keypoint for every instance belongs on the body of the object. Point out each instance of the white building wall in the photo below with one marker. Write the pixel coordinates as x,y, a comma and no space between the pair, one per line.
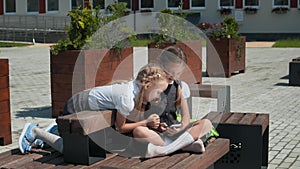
264,21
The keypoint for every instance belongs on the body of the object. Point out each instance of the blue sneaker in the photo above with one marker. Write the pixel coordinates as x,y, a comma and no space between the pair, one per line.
26,139
52,128
24,146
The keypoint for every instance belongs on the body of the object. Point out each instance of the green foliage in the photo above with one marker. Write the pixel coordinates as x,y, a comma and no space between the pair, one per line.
173,27
13,44
231,27
84,23
227,29
287,43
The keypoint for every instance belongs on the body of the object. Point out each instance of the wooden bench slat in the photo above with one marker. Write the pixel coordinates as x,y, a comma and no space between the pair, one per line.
263,120
128,163
234,118
201,90
97,164
112,162
41,162
11,158
149,162
23,160
211,116
218,117
172,160
213,152
51,163
248,118
7,154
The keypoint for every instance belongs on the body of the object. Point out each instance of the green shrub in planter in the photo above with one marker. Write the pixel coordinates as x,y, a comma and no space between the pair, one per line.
84,23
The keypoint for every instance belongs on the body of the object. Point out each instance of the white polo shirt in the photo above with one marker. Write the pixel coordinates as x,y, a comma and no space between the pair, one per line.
117,96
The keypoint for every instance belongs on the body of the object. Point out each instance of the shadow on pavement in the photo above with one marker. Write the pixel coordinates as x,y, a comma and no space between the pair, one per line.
38,112
285,77
282,84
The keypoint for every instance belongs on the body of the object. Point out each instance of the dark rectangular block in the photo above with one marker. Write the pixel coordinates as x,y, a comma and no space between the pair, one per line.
249,139
294,73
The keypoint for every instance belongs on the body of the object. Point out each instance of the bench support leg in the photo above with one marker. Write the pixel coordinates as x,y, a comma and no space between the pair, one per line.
248,148
81,149
223,100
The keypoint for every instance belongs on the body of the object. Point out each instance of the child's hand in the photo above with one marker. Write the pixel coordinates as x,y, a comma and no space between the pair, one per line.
162,127
153,121
172,130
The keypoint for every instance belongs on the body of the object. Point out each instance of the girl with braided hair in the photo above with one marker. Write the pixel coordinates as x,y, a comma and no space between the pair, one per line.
126,98
172,134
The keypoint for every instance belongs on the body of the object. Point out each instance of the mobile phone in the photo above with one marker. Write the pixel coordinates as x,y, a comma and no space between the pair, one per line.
176,125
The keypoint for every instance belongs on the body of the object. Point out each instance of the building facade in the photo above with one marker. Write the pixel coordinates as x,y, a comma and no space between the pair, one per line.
255,17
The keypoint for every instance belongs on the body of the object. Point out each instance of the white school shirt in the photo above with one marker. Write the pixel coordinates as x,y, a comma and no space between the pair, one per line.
185,90
117,96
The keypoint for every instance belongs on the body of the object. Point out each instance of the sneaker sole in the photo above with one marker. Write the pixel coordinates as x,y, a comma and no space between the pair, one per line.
23,136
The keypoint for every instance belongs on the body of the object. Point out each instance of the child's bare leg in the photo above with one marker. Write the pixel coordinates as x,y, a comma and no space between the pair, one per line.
144,134
200,128
53,140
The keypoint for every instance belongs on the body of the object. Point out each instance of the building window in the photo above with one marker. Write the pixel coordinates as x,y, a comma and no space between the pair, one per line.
147,4
251,3
299,4
10,6
128,3
99,3
173,3
52,5
226,3
281,3
197,4
77,3
33,6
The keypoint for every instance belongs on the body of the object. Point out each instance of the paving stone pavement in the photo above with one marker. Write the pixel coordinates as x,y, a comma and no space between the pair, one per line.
262,88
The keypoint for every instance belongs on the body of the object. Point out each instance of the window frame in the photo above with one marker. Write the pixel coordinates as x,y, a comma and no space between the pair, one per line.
101,9
172,8
248,6
71,5
33,12
192,8
277,6
140,5
227,7
10,13
47,10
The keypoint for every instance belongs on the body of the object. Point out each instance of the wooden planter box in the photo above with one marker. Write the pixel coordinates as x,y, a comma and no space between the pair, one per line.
5,122
193,51
92,68
225,56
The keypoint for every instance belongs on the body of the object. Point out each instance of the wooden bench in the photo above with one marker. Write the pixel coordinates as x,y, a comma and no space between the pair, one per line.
294,72
220,92
81,132
249,139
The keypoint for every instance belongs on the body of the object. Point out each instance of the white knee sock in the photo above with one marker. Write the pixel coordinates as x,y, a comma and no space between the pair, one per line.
196,147
52,140
183,140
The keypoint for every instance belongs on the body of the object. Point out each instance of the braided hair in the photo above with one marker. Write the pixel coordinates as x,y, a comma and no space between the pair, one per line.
147,74
173,55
